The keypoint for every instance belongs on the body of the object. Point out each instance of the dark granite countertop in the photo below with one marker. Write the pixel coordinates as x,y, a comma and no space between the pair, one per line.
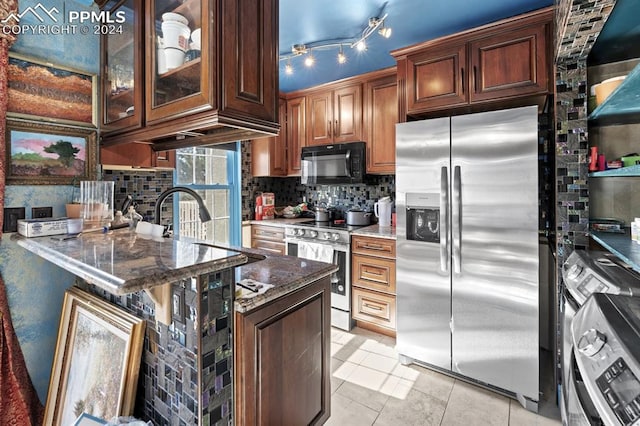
123,262
285,273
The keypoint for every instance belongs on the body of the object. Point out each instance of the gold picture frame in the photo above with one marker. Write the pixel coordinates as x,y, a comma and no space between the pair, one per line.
43,91
47,154
97,360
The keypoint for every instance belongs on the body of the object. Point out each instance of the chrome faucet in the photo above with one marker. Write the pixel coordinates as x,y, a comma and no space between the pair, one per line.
204,213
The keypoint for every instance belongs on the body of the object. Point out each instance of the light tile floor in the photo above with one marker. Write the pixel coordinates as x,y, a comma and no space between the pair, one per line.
370,387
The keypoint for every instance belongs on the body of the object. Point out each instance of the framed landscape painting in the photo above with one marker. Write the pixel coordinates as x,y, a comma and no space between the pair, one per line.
39,153
97,360
46,92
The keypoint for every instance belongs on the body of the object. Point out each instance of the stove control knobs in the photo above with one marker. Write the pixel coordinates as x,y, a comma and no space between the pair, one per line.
300,232
314,233
574,272
591,342
335,237
326,235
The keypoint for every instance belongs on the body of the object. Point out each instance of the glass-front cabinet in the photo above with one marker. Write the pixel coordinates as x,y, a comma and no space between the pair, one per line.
122,72
191,72
178,36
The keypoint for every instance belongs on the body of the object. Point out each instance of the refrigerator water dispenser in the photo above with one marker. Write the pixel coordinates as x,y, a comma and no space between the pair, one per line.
423,217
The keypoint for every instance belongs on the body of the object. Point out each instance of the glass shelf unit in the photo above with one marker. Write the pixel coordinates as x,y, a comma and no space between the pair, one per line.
623,105
629,171
620,245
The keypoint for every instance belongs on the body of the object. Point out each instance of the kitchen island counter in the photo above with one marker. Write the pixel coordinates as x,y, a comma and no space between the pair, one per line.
123,262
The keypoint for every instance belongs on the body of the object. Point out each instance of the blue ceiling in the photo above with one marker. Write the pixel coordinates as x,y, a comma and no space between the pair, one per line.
412,21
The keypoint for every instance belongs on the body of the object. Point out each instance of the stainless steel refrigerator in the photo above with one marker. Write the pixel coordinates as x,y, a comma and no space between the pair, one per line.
467,247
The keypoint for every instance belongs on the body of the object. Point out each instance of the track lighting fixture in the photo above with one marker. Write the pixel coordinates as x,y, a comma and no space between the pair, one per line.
359,43
342,58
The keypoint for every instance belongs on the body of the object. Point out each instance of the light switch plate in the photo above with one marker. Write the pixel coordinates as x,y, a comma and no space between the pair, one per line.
41,212
11,216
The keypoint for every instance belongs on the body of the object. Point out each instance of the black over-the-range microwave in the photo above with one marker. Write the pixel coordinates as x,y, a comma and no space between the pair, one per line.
343,163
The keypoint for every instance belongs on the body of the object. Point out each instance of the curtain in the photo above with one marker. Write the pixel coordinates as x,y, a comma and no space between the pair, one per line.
19,403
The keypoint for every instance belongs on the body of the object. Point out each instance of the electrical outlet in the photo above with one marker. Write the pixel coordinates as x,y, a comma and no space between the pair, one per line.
11,216
40,212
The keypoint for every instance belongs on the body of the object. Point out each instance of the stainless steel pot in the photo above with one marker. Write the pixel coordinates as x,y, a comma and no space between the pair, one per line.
323,214
358,217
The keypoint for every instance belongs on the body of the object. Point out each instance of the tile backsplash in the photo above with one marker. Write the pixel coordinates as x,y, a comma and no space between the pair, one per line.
289,190
143,186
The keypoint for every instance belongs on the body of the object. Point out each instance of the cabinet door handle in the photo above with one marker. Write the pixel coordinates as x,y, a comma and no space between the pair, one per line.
462,76
329,131
370,247
335,129
372,272
374,307
475,79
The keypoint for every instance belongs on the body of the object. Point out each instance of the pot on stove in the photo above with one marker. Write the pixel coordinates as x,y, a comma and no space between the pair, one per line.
324,214
357,217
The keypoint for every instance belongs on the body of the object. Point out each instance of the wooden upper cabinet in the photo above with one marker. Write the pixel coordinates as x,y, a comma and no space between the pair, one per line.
499,61
128,155
122,61
269,155
435,78
164,159
347,114
380,118
136,155
296,134
334,116
320,118
225,91
508,64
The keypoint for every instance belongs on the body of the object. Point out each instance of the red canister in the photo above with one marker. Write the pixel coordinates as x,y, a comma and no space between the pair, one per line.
259,207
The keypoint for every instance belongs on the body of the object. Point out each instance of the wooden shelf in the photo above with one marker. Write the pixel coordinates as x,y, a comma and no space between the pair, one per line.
188,70
629,171
620,245
622,106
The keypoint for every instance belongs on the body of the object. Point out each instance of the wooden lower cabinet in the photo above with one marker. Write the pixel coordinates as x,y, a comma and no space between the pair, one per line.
373,283
269,238
282,359
374,308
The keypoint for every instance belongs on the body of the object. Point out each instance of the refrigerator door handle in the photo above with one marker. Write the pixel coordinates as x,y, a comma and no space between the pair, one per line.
444,219
456,220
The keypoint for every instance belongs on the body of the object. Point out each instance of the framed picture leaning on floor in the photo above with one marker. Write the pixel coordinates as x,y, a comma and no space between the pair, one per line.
97,360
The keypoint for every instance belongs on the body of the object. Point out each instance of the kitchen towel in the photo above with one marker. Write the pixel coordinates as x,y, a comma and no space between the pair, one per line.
315,251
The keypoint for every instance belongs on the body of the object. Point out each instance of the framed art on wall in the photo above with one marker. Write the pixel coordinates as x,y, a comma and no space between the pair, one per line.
97,360
48,154
46,92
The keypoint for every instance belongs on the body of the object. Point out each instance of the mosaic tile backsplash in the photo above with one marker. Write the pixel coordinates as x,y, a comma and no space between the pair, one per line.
144,187
578,24
186,371
289,191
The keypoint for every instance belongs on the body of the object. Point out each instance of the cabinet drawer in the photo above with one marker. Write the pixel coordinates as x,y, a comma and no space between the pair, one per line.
271,233
372,246
374,307
269,246
374,273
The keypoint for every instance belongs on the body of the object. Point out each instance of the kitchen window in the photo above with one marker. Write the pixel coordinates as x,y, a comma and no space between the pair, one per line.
214,174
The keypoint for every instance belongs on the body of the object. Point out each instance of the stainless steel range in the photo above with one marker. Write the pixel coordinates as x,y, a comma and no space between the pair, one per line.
327,242
606,341
585,273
